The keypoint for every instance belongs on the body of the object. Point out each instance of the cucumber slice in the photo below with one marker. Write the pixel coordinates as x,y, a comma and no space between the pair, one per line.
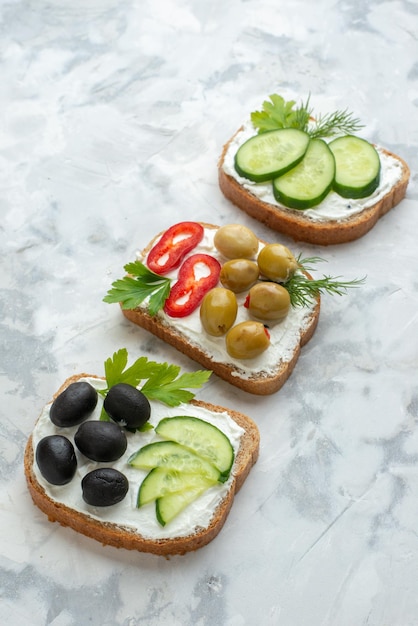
357,167
168,507
172,456
202,438
160,482
271,154
307,184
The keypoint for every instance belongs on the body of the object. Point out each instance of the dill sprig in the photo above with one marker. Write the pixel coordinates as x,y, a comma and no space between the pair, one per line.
303,290
303,115
338,122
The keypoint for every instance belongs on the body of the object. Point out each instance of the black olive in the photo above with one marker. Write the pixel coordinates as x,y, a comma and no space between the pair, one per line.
127,405
104,486
56,459
73,405
101,441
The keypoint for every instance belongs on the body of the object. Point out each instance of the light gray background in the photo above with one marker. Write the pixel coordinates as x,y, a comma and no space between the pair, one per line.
112,118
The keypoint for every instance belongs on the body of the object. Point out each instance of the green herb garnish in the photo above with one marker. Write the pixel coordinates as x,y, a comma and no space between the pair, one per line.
116,370
163,382
339,122
281,114
169,386
140,284
303,290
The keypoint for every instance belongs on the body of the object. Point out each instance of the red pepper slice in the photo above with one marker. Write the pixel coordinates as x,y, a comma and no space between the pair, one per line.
187,293
175,243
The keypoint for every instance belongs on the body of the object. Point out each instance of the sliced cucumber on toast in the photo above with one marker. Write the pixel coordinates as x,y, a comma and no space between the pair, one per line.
172,456
307,184
303,169
271,154
357,167
194,456
160,482
203,438
169,506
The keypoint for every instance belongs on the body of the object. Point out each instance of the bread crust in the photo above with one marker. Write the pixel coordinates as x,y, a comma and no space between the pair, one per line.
120,537
261,384
299,227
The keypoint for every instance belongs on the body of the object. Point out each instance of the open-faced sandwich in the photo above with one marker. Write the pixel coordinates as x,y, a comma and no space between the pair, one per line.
237,305
133,461
310,177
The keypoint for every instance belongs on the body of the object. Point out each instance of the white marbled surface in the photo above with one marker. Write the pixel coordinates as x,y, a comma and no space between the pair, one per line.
113,115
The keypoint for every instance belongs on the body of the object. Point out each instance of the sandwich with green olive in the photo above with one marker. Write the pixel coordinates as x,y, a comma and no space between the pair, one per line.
237,305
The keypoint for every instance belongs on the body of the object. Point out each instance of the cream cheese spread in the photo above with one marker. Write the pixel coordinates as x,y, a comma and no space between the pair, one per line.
125,514
284,335
334,207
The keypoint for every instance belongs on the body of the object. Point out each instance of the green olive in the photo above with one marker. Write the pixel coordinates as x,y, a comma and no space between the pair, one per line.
236,241
247,340
218,311
276,262
239,274
268,301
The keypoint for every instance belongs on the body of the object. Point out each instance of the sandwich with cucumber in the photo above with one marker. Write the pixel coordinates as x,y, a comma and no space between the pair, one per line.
312,178
133,460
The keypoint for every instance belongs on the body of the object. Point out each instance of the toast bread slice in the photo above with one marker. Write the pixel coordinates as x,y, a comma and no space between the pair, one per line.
296,224
123,537
258,383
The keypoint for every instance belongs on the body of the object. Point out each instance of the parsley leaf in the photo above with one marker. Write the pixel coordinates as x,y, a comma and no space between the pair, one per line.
141,283
163,382
168,387
115,371
280,114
